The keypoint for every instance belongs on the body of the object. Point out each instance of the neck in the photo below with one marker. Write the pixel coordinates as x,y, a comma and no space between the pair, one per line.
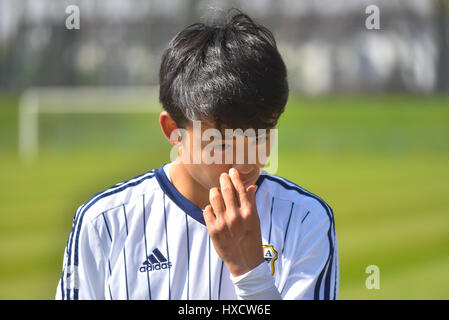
187,186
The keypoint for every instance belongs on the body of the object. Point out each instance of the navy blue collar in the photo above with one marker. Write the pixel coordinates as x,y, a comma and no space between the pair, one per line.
182,202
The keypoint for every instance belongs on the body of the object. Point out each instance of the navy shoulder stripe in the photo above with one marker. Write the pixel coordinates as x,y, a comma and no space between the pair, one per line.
82,210
327,270
287,184
117,190
93,198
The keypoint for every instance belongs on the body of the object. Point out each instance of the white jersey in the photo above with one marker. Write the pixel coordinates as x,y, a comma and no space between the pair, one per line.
142,239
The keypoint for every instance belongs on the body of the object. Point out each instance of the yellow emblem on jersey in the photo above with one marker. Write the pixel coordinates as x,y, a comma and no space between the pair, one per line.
270,255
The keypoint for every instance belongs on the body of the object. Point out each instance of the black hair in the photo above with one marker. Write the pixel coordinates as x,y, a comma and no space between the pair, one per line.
228,73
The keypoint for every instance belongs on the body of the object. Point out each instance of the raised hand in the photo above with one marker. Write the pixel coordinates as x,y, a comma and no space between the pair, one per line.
233,224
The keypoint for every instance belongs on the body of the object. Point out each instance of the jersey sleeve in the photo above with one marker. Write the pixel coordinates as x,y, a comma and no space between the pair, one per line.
313,272
256,284
83,274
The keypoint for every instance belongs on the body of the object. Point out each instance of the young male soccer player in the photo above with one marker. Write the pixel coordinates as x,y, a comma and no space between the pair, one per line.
259,236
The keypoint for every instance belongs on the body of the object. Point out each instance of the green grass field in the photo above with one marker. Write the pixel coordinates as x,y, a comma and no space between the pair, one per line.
381,163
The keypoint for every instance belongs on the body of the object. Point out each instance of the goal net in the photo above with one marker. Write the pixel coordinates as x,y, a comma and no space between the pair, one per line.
80,114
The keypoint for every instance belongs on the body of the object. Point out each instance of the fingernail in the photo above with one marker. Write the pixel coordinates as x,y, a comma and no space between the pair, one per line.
232,171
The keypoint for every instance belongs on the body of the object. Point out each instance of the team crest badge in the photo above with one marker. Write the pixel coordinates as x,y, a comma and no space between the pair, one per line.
270,255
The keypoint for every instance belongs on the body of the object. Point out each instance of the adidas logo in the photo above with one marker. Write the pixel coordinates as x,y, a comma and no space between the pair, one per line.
155,261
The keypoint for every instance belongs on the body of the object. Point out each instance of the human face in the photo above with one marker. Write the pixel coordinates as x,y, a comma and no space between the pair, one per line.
206,153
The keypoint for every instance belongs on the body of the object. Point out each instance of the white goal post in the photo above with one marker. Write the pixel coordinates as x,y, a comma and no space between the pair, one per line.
77,100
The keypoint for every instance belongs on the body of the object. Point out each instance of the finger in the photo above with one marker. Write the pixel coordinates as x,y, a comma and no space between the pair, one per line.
251,191
209,216
238,185
227,190
217,202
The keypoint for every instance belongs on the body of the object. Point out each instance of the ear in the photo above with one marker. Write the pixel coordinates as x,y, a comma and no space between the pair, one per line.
169,128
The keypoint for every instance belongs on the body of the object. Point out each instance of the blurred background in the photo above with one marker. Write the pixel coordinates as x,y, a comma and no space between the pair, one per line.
366,126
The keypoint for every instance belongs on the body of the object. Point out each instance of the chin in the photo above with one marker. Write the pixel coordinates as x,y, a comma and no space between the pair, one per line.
249,182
